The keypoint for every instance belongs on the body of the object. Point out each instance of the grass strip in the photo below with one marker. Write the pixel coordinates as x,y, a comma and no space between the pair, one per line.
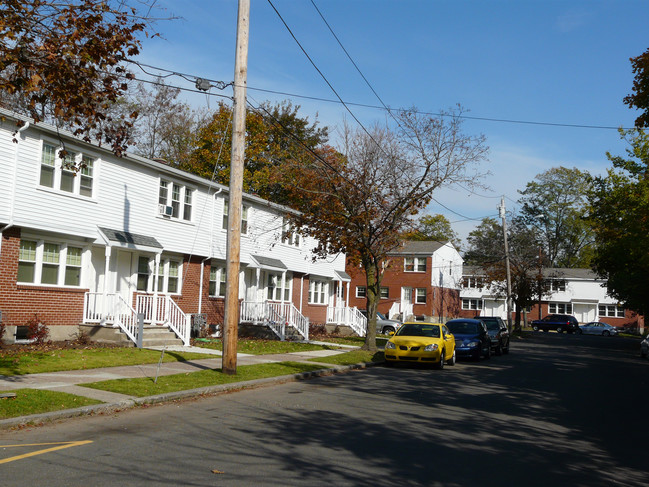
143,387
35,362
350,358
354,340
35,401
263,347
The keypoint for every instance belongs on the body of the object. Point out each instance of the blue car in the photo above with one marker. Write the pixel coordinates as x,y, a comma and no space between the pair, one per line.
471,338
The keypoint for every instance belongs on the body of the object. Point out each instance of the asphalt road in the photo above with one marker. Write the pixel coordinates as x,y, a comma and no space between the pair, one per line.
559,410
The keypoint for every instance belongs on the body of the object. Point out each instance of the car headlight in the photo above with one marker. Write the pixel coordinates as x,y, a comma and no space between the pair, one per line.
431,348
390,346
473,344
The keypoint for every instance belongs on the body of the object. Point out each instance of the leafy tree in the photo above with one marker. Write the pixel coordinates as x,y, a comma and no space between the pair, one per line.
433,227
640,97
620,218
487,250
165,127
359,199
554,205
271,139
62,60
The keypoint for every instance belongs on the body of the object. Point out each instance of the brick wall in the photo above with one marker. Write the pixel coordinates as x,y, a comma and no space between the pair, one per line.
20,303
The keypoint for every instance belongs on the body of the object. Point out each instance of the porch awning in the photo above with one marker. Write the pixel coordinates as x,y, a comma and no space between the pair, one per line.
342,276
584,301
268,263
123,239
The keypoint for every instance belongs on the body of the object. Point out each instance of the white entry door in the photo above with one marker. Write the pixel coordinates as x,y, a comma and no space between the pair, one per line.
406,302
124,275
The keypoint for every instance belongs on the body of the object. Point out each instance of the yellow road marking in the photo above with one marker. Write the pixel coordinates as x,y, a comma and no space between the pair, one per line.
61,446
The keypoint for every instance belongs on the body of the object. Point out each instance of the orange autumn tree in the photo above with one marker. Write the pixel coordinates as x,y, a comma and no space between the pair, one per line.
63,61
359,198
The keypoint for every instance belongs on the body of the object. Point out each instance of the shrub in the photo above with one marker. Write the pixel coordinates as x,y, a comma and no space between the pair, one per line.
37,331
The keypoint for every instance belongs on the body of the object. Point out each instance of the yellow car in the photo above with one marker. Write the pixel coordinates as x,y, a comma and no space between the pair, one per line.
424,343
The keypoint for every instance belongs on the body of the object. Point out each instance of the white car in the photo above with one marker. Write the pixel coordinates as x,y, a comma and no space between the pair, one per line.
597,328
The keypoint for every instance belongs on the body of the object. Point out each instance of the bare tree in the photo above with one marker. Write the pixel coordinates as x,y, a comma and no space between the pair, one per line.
359,199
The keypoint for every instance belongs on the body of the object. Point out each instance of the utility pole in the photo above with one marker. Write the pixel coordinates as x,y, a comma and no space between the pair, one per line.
501,212
233,253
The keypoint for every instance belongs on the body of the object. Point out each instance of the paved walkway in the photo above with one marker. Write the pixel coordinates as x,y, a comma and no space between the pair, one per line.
69,381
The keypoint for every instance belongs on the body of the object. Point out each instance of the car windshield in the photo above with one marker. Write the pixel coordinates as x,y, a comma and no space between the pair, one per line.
492,325
380,316
431,331
463,328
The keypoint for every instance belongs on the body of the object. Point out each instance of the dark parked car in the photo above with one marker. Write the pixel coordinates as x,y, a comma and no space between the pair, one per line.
471,338
560,323
498,333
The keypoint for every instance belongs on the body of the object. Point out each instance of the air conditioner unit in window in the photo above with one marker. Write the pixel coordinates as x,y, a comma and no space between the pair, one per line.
165,210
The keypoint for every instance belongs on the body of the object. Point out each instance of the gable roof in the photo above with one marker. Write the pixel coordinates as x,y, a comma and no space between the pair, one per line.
421,247
548,272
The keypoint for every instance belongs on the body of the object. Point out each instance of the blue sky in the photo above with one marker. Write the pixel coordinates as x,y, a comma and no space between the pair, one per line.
549,61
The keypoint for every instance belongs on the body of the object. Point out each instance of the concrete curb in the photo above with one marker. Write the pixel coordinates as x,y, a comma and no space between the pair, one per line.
115,407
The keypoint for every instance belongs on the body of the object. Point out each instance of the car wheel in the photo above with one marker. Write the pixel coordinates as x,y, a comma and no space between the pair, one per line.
606,333
499,350
487,354
535,328
559,329
451,361
387,330
506,349
580,331
440,365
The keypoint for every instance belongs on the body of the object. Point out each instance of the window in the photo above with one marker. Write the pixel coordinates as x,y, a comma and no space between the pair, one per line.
289,236
560,308
361,292
557,285
217,281
278,287
143,273
54,264
611,311
177,197
73,266
472,304
420,295
473,282
385,292
244,218
414,264
73,174
169,276
318,291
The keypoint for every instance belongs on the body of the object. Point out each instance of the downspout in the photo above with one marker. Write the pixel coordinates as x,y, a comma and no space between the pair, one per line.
13,186
209,254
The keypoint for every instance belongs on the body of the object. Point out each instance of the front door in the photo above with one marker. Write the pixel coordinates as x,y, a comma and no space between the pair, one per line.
406,303
124,275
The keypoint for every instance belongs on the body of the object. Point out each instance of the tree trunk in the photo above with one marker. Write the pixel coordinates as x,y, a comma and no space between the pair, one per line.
373,282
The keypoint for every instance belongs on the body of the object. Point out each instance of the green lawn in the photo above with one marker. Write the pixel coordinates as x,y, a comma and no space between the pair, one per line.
180,382
262,347
34,401
54,360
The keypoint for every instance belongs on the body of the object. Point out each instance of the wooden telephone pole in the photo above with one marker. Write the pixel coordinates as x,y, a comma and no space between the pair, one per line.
501,211
233,253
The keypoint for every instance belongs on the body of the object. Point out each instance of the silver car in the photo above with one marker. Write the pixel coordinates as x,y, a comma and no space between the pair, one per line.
383,324
644,347
597,328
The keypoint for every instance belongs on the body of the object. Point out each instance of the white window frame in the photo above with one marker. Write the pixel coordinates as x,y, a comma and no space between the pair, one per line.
417,264
289,235
244,217
178,196
472,282
472,304
560,308
78,169
611,311
318,292
39,261
361,291
278,287
217,281
387,292
419,292
557,285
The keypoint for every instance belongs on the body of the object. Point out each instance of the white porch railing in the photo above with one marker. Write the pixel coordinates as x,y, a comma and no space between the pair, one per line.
111,309
276,316
395,311
352,317
162,310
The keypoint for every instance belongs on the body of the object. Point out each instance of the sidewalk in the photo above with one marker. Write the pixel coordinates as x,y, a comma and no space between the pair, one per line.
69,381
